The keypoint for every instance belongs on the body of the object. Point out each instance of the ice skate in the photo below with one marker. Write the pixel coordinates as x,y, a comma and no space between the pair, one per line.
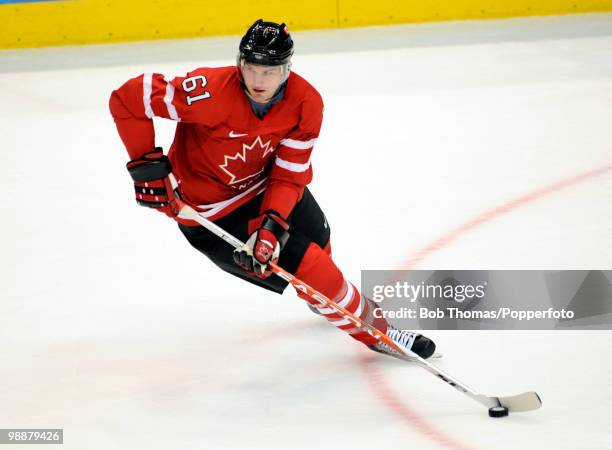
417,343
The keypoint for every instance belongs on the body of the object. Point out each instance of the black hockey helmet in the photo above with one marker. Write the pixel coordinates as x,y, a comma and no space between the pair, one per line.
266,43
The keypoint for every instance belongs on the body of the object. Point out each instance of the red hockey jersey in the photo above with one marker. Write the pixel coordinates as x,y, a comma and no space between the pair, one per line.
223,154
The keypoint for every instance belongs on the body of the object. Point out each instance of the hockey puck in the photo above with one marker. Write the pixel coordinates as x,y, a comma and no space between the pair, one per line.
498,411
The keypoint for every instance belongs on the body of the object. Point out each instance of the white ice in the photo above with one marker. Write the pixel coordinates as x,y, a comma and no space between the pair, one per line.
114,329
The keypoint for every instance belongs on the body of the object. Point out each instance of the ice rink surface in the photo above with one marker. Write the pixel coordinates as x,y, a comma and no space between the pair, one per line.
475,145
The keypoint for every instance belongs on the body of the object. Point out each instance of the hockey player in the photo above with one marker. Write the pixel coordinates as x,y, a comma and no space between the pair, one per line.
241,158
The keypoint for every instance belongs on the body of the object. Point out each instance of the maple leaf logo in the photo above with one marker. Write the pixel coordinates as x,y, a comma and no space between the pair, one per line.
248,159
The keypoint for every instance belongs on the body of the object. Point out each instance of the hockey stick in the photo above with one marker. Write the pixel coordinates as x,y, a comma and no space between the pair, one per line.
526,401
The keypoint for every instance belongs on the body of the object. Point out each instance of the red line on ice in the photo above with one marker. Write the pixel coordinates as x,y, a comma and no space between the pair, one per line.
384,391
446,239
382,388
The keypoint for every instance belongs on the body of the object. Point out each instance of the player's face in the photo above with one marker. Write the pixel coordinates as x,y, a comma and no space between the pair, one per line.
261,81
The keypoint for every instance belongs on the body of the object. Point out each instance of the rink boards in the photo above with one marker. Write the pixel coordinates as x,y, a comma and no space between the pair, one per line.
44,23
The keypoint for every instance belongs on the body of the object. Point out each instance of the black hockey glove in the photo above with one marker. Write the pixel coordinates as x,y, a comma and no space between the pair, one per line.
152,184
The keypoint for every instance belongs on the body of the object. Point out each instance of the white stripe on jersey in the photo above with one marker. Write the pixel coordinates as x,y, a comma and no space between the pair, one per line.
147,87
293,167
357,313
350,291
214,208
298,145
168,101
340,322
361,306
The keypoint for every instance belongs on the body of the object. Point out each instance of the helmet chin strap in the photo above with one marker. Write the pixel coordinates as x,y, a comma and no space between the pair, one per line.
286,71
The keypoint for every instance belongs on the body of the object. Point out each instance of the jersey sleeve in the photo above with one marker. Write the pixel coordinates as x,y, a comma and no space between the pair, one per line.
292,169
136,102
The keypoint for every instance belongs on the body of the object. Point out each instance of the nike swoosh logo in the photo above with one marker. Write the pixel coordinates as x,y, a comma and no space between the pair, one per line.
235,135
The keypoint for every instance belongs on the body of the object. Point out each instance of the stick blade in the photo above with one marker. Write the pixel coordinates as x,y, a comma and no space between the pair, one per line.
527,401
